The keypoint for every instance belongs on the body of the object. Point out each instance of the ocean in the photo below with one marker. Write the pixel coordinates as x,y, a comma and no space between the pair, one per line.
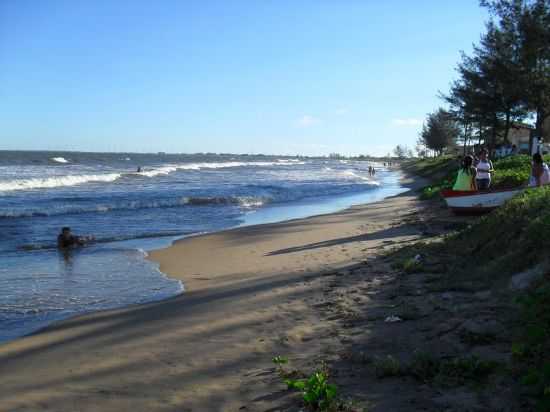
130,212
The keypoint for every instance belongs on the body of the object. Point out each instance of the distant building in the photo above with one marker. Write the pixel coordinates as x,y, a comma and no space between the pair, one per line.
519,135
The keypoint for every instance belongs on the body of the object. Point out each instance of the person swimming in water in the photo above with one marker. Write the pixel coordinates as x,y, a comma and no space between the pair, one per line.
67,240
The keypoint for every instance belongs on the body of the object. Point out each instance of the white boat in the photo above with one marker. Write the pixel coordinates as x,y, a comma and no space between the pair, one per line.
477,201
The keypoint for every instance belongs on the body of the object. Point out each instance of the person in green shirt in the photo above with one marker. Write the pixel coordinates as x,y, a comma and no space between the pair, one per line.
466,178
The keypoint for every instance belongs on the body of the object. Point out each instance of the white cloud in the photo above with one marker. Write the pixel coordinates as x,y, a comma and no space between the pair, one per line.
307,121
407,122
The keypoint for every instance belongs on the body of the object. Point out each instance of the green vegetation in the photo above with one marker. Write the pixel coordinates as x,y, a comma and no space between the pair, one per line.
439,131
388,366
503,81
485,255
432,168
531,360
318,394
410,265
451,372
441,372
440,170
512,171
511,239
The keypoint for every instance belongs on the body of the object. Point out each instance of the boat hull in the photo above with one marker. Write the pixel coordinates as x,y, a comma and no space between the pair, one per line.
477,202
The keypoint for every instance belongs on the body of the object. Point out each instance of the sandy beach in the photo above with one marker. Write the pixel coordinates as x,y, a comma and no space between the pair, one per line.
251,293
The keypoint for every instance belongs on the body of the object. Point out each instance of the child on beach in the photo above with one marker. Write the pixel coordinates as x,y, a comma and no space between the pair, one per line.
466,178
540,174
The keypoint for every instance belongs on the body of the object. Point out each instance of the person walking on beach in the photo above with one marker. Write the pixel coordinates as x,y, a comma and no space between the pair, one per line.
540,174
466,178
484,169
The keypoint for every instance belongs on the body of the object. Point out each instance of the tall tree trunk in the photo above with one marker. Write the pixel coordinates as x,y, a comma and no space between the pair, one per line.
539,131
466,137
507,127
541,117
493,142
480,134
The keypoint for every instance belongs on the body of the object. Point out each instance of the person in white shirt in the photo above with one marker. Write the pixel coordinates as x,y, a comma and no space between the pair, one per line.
540,174
484,169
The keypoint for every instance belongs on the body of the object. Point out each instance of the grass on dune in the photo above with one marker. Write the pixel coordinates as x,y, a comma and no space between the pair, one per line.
487,253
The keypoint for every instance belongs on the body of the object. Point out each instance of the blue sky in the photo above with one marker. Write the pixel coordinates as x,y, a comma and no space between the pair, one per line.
263,76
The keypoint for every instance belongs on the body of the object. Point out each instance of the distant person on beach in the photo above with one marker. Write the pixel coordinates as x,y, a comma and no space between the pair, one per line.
466,178
67,240
139,169
540,174
484,169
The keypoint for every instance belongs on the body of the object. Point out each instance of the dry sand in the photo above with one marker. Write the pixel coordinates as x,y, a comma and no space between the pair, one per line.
251,293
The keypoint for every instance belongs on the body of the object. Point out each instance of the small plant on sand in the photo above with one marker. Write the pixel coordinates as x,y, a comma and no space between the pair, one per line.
449,372
461,371
386,367
280,361
424,367
409,265
318,394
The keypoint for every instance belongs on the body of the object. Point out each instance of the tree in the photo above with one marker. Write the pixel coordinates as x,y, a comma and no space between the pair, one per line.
487,98
420,148
440,131
402,151
528,23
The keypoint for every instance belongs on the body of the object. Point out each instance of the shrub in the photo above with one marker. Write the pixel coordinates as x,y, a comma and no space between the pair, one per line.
386,367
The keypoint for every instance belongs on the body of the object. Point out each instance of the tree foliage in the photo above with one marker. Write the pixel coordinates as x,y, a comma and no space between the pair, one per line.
507,76
439,131
402,151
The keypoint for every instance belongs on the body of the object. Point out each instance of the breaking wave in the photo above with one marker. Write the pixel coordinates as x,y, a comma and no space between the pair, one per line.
243,201
55,181
59,160
353,175
73,180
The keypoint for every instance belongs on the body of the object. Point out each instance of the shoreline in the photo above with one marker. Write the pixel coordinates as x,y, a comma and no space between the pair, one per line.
409,182
160,243
126,358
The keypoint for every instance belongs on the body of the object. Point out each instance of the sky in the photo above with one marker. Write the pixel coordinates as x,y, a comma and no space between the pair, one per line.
263,76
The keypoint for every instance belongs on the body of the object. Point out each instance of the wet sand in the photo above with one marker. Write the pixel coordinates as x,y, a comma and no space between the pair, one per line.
251,294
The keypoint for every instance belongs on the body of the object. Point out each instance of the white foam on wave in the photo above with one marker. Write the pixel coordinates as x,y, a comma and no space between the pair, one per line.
59,160
242,201
353,175
57,181
164,170
73,180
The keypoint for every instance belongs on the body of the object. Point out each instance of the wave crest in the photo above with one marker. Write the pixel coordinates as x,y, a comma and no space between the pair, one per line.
59,160
57,181
243,201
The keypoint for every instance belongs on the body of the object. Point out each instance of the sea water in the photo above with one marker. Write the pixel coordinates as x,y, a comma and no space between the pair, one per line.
130,212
